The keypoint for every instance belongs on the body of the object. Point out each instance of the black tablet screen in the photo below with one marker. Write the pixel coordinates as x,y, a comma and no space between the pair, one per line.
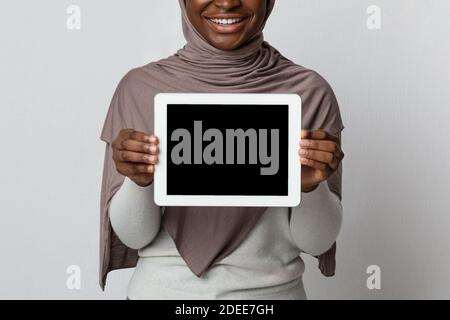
227,150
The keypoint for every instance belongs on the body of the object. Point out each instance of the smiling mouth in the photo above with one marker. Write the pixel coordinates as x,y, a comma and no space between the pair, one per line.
226,25
225,22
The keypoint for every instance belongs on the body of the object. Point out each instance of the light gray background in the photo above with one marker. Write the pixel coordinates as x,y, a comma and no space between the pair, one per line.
393,89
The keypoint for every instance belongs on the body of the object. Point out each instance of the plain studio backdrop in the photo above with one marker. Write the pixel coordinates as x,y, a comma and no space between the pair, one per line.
392,85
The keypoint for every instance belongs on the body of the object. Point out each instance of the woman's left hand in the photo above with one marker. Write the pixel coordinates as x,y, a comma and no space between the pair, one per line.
320,155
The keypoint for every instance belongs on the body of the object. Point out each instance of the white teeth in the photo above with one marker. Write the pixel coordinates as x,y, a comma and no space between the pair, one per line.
226,21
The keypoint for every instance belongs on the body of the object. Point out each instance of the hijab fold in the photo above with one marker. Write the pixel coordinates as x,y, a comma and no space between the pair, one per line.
205,235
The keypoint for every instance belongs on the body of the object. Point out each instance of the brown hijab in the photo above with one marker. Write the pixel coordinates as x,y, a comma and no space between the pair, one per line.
205,235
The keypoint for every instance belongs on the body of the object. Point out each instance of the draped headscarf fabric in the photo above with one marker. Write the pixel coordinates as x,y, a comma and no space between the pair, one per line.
205,235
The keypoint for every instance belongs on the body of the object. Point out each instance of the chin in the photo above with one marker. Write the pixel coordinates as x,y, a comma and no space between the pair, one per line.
228,46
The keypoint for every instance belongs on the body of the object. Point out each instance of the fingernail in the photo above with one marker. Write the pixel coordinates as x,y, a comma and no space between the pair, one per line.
304,143
152,148
303,152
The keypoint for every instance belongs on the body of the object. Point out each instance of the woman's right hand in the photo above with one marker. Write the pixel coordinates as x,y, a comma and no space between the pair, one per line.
135,155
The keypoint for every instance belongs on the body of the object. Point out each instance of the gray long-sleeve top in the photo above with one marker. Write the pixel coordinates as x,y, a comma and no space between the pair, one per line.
266,265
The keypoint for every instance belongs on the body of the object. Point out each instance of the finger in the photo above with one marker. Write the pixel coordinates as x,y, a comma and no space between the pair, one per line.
322,156
154,139
128,168
143,168
136,157
140,136
319,134
314,164
304,133
323,145
137,146
326,157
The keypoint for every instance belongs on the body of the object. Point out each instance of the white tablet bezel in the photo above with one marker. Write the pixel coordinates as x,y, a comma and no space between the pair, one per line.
294,102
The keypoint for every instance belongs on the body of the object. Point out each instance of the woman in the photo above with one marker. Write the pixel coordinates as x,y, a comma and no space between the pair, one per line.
218,252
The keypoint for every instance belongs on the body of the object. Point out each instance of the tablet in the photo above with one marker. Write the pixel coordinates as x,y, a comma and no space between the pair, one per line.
227,149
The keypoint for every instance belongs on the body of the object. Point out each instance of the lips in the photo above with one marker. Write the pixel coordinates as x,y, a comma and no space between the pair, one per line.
225,15
226,21
226,24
